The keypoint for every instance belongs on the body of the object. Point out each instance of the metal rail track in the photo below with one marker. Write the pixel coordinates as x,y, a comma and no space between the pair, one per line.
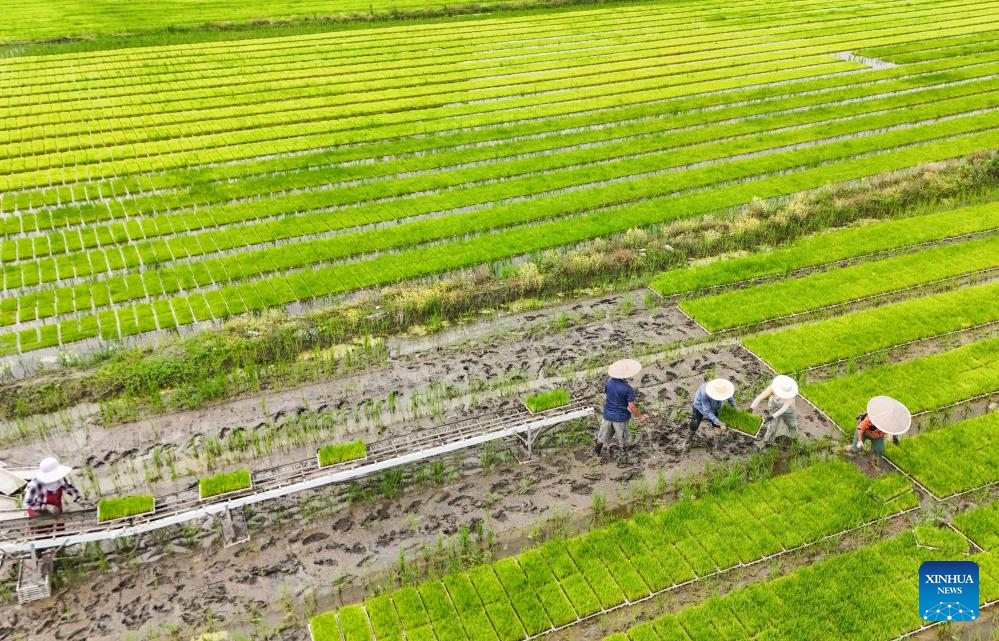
25,536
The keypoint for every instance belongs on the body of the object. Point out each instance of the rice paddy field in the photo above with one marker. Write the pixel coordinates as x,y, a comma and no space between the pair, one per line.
237,262
150,189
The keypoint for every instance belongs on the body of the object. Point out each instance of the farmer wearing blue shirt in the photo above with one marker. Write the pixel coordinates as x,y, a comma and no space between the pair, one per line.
708,402
619,406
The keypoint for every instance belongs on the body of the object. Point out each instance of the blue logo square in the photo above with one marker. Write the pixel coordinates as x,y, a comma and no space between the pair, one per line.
948,591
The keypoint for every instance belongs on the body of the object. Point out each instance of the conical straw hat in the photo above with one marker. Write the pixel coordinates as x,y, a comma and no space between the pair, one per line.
888,415
720,389
784,387
624,368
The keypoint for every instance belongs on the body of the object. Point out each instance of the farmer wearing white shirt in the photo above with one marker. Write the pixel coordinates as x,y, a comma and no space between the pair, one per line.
780,397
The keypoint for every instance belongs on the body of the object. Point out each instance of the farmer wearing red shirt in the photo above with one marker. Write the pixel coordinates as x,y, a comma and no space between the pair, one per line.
43,494
885,416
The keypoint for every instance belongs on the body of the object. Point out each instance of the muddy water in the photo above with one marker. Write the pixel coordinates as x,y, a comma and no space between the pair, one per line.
310,562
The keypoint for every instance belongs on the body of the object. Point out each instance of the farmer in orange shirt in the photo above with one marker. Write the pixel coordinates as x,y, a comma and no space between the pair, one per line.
884,416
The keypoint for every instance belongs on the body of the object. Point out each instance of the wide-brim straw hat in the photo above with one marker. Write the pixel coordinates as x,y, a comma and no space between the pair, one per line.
889,415
624,368
51,470
720,389
784,387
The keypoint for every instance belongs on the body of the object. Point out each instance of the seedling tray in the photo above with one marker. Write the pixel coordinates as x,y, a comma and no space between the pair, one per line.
130,516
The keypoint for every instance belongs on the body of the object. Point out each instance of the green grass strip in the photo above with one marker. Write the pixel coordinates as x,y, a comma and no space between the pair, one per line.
117,508
862,332
547,400
930,456
741,420
775,300
921,384
224,483
334,453
830,246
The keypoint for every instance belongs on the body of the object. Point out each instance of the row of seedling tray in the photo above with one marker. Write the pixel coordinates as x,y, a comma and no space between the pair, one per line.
113,509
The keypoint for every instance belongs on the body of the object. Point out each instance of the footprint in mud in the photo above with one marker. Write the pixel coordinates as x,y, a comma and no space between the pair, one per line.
314,537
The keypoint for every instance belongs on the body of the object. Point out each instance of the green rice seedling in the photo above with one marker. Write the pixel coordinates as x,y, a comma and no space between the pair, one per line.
558,559
600,580
831,246
324,627
334,453
224,483
890,487
669,629
939,538
967,370
422,633
580,594
384,620
109,509
505,621
774,609
643,632
436,601
547,400
409,605
980,525
605,543
774,300
525,602
354,623
740,420
556,604
929,455
863,332
470,609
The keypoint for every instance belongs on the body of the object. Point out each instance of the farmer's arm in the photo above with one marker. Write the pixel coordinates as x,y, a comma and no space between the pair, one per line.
759,399
633,408
33,498
70,489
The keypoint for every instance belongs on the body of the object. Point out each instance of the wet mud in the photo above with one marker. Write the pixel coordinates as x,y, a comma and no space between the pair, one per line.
302,558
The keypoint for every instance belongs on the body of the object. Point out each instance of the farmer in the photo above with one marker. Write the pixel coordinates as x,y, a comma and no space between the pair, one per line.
884,416
708,402
43,494
619,406
780,397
